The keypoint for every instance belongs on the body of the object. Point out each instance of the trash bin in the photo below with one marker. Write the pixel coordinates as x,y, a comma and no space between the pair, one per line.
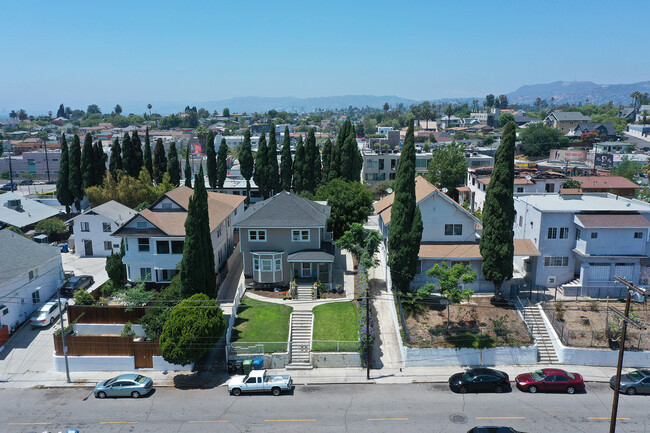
235,367
247,365
64,248
258,364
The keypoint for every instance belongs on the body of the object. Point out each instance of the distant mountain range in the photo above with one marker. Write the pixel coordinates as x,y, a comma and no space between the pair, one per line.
578,91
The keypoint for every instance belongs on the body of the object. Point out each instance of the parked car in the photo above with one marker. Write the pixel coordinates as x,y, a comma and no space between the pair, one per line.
480,379
26,182
259,381
125,385
48,312
8,186
50,182
77,283
634,382
39,182
550,379
493,429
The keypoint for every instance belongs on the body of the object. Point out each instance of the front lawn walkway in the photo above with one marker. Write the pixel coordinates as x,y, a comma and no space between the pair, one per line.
262,322
336,321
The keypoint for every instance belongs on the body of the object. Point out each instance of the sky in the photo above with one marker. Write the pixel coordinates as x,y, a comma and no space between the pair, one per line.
135,52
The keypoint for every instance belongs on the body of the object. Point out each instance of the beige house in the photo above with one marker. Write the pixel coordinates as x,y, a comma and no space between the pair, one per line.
565,120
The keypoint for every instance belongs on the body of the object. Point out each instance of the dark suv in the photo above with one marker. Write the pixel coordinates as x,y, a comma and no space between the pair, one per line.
76,283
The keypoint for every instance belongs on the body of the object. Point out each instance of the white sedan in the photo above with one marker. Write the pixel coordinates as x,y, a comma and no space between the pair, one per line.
47,313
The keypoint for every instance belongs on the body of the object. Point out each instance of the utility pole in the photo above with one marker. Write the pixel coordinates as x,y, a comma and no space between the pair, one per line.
368,334
65,348
47,162
11,170
621,349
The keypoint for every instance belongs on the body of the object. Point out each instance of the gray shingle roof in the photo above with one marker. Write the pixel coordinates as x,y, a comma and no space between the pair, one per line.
590,126
20,254
113,210
310,256
31,212
570,115
285,210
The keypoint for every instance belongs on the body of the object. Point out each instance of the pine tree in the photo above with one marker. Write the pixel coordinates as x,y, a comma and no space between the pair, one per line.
75,182
61,111
315,163
127,156
173,167
197,272
338,151
285,161
335,163
63,193
138,158
99,158
222,163
87,163
246,163
497,246
211,161
273,171
159,161
188,168
327,155
405,231
261,162
347,159
299,167
307,174
148,162
115,163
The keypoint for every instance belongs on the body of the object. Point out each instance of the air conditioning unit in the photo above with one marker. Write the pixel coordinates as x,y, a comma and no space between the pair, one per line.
551,280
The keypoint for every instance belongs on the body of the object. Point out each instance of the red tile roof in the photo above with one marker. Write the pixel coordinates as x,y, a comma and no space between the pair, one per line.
605,182
613,220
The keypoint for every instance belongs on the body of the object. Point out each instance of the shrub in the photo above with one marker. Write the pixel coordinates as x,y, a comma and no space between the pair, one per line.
560,315
364,316
82,297
500,327
136,296
594,306
559,306
110,288
128,330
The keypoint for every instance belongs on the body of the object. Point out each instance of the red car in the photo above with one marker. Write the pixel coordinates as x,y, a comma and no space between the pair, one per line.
550,379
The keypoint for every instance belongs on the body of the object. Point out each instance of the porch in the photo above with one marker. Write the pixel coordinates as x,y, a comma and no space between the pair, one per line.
308,266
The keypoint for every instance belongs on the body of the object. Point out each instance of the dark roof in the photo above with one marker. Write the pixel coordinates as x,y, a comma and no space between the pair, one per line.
570,115
20,254
613,220
310,256
591,126
286,210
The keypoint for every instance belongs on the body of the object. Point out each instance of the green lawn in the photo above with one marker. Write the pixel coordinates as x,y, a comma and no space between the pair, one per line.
336,321
259,322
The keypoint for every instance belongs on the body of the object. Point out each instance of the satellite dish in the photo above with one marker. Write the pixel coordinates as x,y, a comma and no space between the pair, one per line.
445,190
528,177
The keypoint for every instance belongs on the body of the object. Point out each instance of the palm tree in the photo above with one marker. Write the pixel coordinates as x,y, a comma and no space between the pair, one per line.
22,115
637,97
149,107
552,100
13,114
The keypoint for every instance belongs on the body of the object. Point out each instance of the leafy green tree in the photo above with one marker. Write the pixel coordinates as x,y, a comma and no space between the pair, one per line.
75,180
82,297
188,168
327,155
447,167
299,163
572,184
538,139
5,175
351,203
627,168
361,243
489,100
197,265
194,326
136,296
156,317
99,158
405,229
272,170
115,163
148,161
226,112
286,163
450,280
246,163
52,226
159,161
173,167
63,192
505,118
503,101
211,160
497,246
222,163
261,170
115,269
88,163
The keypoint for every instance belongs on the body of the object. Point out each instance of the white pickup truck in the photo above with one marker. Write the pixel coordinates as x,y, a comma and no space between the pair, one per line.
259,381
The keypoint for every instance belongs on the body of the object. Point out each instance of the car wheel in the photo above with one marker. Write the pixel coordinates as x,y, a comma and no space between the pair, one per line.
570,390
101,394
498,389
236,392
630,391
276,391
462,389
135,394
532,389
51,320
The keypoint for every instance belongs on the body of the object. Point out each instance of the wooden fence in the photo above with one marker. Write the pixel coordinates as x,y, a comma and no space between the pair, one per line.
142,351
4,334
104,314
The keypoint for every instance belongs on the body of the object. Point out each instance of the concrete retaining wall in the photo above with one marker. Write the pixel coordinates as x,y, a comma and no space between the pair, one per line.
160,364
94,363
85,329
335,359
469,357
275,360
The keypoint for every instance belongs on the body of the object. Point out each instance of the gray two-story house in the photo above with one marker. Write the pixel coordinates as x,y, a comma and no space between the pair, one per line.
284,238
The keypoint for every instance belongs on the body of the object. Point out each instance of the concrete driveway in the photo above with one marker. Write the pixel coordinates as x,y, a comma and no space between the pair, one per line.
94,266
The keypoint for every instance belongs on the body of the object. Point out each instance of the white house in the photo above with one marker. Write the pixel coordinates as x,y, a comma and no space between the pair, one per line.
22,212
585,240
30,274
154,238
93,229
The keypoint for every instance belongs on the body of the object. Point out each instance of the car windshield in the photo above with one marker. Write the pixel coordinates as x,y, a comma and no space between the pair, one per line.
110,381
538,374
39,314
141,379
570,375
635,376
69,284
468,374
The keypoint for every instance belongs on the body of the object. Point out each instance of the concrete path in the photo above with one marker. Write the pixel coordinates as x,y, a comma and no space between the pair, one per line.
386,350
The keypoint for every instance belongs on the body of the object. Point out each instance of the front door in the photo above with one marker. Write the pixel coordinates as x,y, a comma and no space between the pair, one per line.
88,247
306,270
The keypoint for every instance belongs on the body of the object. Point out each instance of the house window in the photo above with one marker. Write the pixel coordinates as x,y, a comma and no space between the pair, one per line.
36,296
143,244
166,205
267,265
564,233
141,225
220,257
4,310
85,226
278,264
145,274
577,234
106,227
550,187
108,245
418,267
177,247
453,229
552,233
162,247
219,231
594,235
521,220
33,274
638,235
256,264
520,189
300,236
257,235
556,261
167,274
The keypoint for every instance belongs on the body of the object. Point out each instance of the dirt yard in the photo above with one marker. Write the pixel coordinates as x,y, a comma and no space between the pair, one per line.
478,324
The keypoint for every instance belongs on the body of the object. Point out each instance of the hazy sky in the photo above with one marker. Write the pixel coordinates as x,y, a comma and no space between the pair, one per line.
133,52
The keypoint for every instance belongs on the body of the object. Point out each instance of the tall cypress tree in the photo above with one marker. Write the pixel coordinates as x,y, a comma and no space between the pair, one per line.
127,155
261,162
61,111
273,171
246,163
347,159
312,165
335,163
327,155
299,167
405,232
211,161
87,163
63,193
159,161
148,161
75,179
285,161
173,167
138,157
188,168
497,245
197,270
99,158
115,163
222,163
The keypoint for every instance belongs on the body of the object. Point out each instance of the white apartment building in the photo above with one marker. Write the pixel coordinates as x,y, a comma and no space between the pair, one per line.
93,229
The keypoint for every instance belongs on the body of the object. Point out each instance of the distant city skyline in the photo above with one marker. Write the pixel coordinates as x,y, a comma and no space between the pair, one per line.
132,53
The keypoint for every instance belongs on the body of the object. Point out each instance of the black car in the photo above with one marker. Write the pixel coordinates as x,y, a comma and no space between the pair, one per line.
26,182
50,182
493,429
8,186
479,380
77,283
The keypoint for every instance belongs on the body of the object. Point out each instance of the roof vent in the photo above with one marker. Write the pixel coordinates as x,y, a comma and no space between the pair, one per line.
14,204
570,193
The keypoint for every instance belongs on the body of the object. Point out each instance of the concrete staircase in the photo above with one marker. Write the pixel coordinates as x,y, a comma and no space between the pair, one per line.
533,318
305,292
300,339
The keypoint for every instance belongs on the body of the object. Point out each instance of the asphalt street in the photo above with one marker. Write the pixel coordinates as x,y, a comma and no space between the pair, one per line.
331,408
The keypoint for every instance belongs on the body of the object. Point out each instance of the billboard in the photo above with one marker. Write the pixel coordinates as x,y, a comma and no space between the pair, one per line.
604,160
567,155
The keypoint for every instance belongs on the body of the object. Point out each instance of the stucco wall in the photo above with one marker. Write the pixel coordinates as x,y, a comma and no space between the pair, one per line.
94,363
470,357
160,364
105,329
335,359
